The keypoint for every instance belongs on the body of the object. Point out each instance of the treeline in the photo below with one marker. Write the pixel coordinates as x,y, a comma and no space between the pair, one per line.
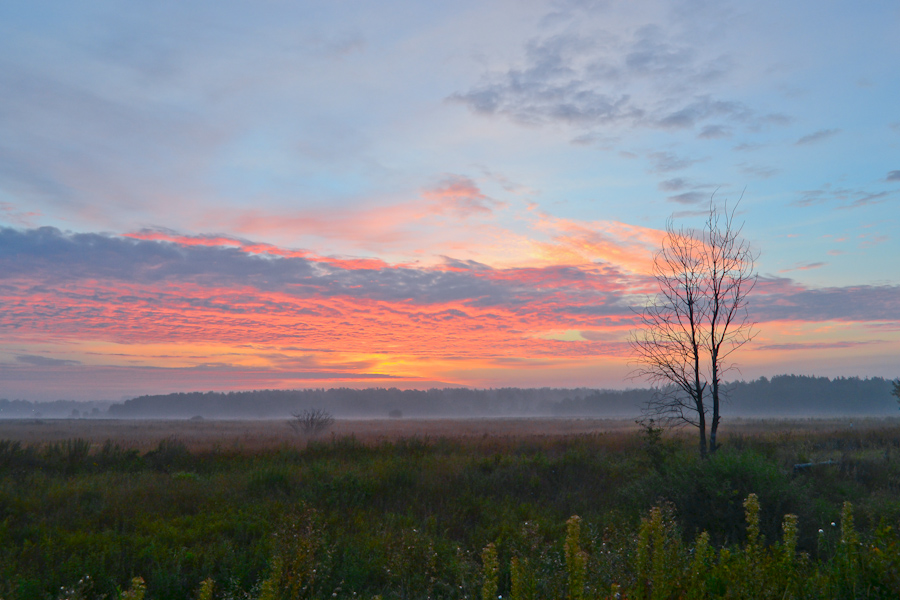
783,395
780,396
57,409
797,396
366,403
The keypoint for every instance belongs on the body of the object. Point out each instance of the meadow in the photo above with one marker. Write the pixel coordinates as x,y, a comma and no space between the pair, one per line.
497,508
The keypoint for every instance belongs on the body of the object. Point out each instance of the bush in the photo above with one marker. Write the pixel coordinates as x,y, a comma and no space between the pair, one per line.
312,421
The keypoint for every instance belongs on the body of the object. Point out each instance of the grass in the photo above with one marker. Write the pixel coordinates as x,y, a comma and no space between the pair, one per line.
454,517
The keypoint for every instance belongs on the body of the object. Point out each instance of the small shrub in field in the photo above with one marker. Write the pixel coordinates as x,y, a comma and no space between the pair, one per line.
312,421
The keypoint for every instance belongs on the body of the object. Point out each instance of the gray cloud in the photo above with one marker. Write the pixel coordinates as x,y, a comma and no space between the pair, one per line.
700,110
688,198
664,162
46,261
714,132
51,257
844,198
893,176
44,361
856,303
772,119
673,185
646,79
818,136
691,193
758,171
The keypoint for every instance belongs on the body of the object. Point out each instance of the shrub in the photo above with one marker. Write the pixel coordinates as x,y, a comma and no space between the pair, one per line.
312,421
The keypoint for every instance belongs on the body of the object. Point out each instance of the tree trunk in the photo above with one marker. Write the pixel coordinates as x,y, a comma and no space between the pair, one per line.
714,425
701,426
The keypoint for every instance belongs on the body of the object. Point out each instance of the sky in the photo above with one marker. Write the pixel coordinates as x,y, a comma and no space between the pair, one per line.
237,195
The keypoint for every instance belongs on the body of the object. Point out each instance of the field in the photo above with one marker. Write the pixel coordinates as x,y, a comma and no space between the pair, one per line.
145,434
267,434
447,509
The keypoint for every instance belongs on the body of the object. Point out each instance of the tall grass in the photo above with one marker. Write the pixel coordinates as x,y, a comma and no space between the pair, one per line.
452,518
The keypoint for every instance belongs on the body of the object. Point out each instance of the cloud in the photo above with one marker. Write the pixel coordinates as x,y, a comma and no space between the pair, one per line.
844,198
760,172
782,300
806,346
245,305
461,196
105,382
689,198
261,313
44,361
804,267
816,137
640,77
673,185
625,247
701,110
714,132
691,192
893,176
665,162
50,255
9,213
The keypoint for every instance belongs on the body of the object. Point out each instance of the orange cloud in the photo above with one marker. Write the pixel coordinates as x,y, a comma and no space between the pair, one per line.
629,247
160,300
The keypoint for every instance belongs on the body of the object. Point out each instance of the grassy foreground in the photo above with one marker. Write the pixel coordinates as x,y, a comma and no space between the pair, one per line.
485,518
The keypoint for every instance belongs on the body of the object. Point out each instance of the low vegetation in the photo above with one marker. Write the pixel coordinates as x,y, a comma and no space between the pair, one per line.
484,517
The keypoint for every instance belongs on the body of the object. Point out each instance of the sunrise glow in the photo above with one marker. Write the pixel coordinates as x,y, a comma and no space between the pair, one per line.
468,196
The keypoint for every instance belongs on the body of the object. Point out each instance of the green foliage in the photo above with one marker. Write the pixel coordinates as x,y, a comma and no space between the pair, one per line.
343,519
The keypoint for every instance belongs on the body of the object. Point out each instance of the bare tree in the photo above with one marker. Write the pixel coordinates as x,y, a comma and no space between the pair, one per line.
698,318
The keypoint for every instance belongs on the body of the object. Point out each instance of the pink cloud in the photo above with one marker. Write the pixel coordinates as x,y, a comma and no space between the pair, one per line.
629,247
804,267
461,196
11,214
806,346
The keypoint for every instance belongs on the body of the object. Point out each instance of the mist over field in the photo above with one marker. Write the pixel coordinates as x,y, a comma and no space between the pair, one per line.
780,396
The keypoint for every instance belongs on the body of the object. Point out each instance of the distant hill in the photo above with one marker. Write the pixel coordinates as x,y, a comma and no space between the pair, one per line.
780,396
